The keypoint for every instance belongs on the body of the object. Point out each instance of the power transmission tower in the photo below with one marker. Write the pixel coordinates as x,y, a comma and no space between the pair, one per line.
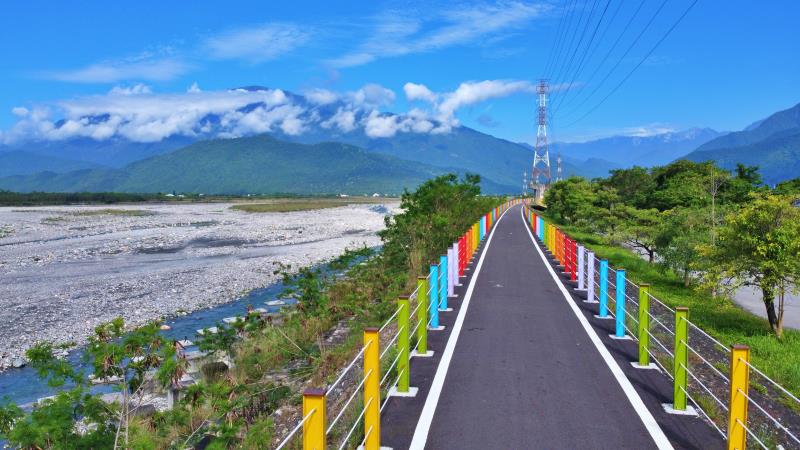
540,175
558,167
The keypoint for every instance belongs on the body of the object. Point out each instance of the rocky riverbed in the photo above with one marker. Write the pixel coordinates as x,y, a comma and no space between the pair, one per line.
64,270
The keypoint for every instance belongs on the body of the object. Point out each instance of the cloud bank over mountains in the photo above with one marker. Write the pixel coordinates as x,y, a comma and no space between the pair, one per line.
138,114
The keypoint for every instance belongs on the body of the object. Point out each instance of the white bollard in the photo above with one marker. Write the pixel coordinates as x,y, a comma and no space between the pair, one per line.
450,265
590,278
581,271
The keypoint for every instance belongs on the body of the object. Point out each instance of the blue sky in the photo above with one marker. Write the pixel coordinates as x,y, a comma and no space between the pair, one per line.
475,63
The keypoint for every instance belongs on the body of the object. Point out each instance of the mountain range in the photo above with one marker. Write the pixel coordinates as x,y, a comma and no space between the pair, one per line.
772,144
349,159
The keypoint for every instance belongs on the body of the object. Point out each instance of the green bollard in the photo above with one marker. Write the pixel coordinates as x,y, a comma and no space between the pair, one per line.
403,344
681,361
644,325
422,316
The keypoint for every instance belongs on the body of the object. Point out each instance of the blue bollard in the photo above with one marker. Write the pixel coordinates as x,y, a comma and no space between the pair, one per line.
434,296
603,288
620,310
443,284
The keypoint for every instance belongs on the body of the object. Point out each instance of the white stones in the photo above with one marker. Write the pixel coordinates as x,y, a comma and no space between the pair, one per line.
62,278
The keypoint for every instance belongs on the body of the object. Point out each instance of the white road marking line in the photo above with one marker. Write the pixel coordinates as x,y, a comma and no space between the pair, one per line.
426,416
638,405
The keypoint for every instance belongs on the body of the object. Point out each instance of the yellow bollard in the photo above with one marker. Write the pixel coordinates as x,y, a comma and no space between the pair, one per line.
737,408
314,426
372,390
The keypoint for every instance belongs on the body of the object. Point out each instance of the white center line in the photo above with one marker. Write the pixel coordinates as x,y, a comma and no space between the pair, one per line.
432,400
638,405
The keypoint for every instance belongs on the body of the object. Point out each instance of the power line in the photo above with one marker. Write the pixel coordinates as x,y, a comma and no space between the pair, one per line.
568,18
624,55
571,41
583,57
551,57
578,46
637,65
610,50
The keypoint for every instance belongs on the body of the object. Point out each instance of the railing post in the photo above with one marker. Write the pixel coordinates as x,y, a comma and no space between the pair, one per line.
603,289
450,266
644,325
314,427
681,358
590,278
619,331
434,297
372,389
574,262
740,386
456,265
443,284
403,344
422,316
581,269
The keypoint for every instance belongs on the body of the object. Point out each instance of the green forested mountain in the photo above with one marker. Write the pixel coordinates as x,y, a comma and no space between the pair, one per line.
772,144
258,164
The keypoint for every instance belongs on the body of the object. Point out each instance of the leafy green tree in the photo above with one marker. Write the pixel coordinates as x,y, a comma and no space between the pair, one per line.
759,245
680,235
634,186
638,228
788,187
570,199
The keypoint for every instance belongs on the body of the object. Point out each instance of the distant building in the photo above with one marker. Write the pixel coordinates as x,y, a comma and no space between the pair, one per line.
376,195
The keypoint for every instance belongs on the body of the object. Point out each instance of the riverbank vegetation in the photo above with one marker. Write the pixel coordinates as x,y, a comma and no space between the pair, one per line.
696,233
268,361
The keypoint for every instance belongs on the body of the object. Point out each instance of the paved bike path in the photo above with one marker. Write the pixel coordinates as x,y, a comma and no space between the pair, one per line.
524,371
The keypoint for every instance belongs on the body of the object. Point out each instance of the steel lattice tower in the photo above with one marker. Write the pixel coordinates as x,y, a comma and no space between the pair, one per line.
541,175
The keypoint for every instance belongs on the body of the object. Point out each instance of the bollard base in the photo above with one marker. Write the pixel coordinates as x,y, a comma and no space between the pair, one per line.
361,447
412,392
651,366
689,411
415,354
439,328
591,301
446,310
597,316
620,338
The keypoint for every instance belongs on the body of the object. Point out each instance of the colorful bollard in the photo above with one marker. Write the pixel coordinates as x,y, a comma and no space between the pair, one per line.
372,389
644,325
314,426
603,289
681,362
590,278
443,284
740,389
619,331
581,268
403,345
422,316
434,298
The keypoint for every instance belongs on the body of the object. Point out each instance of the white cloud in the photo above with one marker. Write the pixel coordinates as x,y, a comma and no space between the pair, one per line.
142,67
138,114
419,92
321,96
194,88
136,89
468,93
397,33
373,95
257,44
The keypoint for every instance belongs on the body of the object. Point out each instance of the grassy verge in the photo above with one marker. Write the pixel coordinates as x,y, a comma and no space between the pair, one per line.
302,204
720,317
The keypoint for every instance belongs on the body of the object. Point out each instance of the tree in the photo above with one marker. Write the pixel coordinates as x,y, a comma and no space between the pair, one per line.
759,246
570,199
634,185
680,235
788,187
638,228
